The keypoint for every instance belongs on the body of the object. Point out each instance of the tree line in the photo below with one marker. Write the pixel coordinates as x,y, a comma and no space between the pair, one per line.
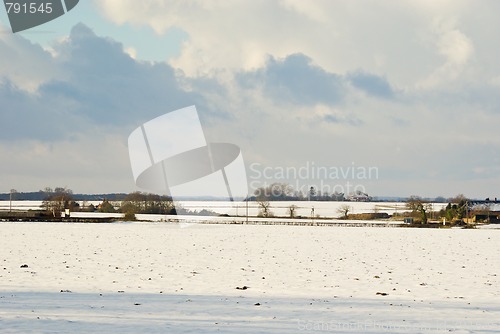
457,209
285,192
59,199
41,195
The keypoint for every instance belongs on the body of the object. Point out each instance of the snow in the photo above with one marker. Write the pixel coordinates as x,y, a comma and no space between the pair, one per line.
159,277
20,205
489,226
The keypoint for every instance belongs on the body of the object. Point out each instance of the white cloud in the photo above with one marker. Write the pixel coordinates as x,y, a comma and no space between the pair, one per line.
131,52
340,36
456,49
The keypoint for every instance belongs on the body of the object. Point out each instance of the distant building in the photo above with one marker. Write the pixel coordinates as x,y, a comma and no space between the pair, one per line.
359,197
492,217
408,220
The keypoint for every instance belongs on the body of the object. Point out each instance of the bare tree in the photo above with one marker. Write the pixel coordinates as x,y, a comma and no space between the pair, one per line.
417,205
460,198
58,200
292,210
265,209
344,210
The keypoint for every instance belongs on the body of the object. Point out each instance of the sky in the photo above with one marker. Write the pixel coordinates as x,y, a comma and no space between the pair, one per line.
409,89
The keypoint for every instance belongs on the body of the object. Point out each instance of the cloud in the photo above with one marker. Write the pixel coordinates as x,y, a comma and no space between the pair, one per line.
457,50
371,84
333,83
393,39
107,86
97,84
30,116
81,115
24,64
295,79
336,119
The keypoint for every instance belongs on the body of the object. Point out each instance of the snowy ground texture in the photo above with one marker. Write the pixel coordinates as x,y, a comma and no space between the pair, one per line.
160,278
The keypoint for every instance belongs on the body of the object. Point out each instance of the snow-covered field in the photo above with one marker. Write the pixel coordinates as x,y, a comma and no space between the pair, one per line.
158,277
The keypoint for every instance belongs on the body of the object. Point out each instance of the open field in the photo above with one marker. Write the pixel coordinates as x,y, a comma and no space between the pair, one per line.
158,277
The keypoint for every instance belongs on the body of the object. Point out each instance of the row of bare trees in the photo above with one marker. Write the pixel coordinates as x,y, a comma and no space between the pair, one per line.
57,200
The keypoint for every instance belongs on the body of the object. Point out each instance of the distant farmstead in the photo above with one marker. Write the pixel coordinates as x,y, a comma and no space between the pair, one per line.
359,197
492,217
